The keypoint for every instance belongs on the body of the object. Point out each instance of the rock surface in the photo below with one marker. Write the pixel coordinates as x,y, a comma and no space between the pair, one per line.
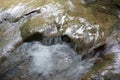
87,26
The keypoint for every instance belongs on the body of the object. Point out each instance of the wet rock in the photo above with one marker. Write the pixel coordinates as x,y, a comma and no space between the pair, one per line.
86,26
34,37
10,37
82,31
66,39
97,76
118,27
111,76
109,62
107,6
87,1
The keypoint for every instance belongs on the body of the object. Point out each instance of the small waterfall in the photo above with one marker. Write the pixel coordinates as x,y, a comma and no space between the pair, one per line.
50,41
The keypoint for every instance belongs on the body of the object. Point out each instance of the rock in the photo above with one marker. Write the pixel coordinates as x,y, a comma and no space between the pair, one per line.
111,76
86,26
87,1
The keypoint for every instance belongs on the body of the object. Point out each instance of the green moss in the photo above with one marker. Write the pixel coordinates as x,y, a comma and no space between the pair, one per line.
60,1
31,25
25,29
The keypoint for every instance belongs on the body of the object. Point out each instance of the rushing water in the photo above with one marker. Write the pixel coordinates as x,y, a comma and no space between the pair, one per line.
50,58
55,62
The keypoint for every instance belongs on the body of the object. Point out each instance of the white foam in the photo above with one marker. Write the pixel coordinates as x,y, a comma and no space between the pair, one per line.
47,59
57,58
42,59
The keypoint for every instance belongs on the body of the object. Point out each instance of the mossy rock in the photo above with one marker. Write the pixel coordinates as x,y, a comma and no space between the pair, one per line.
100,65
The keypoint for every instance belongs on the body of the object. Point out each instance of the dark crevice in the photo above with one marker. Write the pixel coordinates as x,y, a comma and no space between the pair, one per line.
34,37
48,41
34,11
99,51
117,6
66,39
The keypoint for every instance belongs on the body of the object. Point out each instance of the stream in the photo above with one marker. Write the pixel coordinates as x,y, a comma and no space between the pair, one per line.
59,40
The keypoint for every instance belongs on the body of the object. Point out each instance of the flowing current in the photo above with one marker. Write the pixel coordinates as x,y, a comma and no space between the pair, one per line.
59,61
55,62
51,58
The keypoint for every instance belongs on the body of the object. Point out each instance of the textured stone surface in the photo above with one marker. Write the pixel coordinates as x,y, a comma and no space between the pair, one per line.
87,25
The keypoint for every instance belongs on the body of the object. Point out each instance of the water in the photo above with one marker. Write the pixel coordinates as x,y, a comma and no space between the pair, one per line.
52,59
56,62
52,40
